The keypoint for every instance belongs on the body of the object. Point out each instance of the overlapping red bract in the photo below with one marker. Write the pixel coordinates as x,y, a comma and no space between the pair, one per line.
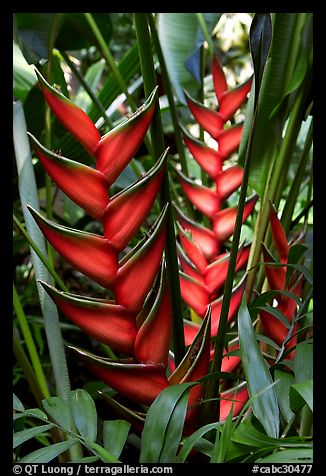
137,323
276,277
201,255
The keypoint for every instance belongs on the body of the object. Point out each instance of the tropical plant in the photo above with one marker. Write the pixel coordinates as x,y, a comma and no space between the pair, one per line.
179,343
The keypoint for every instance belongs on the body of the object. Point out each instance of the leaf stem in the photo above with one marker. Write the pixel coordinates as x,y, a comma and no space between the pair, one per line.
115,70
22,320
88,89
203,26
169,93
148,72
23,361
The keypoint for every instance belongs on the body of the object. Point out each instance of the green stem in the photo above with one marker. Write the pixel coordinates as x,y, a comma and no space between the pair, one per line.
109,58
88,89
44,260
115,71
23,361
169,94
22,320
148,72
48,182
223,324
295,187
303,213
274,186
204,178
208,38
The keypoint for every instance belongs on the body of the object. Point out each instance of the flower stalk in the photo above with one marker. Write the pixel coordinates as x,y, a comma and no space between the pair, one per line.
148,73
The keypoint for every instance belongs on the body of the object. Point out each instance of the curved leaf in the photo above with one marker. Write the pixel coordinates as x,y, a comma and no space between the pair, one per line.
163,425
265,406
48,453
84,413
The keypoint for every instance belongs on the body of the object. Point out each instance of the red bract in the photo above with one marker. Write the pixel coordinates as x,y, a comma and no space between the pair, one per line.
201,256
276,277
138,322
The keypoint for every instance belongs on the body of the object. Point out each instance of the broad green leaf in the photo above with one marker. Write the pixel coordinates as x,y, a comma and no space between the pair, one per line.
178,48
115,433
265,407
300,394
289,456
303,362
282,388
25,435
17,404
271,92
34,30
47,454
164,423
59,410
23,74
83,410
29,195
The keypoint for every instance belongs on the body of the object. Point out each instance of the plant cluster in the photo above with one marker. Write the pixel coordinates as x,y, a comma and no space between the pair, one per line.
174,283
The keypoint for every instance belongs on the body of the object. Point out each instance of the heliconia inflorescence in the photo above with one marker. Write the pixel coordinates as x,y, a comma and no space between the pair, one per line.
137,323
276,277
203,260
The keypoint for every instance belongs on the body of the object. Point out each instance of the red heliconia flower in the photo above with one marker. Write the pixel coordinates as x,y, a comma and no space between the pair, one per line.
203,261
276,277
137,323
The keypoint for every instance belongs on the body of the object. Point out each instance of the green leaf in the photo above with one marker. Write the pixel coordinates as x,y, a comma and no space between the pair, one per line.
191,441
75,33
84,414
37,413
17,404
164,423
178,48
24,435
59,410
282,388
260,41
223,439
47,454
303,362
265,407
92,77
271,92
115,433
23,74
300,394
296,252
247,434
277,314
289,456
29,195
34,30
